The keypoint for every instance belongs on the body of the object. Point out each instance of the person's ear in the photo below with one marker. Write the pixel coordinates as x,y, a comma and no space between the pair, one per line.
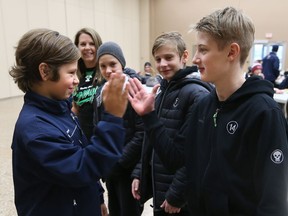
185,56
44,71
234,51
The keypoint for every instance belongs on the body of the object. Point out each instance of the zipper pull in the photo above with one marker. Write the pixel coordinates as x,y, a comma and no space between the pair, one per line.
215,117
74,202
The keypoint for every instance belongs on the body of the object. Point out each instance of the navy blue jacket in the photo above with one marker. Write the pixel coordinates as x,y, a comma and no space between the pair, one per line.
236,153
55,169
270,66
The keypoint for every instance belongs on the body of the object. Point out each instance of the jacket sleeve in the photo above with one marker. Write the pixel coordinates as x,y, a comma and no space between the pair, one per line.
271,165
136,173
60,161
132,149
177,192
170,151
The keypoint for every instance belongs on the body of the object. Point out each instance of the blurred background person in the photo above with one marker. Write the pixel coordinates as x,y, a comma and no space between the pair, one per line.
270,64
255,70
149,76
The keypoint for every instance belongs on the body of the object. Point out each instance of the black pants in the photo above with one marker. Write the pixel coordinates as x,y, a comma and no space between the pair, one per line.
120,199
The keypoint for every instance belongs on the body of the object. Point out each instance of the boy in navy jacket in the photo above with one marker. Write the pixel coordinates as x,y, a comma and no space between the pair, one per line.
55,167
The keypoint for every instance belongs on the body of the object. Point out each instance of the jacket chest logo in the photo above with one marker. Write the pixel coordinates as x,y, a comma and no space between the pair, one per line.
232,127
176,102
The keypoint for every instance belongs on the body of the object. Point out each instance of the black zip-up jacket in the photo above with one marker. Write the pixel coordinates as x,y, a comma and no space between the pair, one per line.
134,129
236,153
172,104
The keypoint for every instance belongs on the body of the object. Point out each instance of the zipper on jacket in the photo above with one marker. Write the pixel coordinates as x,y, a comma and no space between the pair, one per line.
76,123
74,203
75,207
215,117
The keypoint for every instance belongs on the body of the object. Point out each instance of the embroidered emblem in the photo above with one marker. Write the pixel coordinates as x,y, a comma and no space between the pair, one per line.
232,127
176,102
277,156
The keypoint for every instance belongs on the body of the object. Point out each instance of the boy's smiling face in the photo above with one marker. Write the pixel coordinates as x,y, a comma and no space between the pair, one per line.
212,63
168,61
64,87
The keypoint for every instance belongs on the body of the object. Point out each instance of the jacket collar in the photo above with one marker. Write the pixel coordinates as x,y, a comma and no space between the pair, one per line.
47,104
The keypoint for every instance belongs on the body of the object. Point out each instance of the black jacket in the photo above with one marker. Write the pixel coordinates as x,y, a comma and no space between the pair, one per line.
134,129
236,153
172,104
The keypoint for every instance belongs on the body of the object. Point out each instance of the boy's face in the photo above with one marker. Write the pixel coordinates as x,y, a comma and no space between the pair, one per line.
257,72
147,69
168,61
64,87
108,64
212,62
88,50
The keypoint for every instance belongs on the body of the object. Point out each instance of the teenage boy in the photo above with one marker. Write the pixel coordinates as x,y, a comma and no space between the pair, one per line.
236,137
55,168
177,94
118,182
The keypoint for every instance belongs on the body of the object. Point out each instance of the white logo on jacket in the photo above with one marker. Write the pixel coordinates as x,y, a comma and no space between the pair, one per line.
232,127
176,102
277,156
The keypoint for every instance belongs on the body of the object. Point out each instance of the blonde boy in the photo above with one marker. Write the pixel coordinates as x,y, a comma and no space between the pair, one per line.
236,137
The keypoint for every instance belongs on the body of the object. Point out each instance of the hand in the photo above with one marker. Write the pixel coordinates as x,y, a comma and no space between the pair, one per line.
278,91
104,211
135,189
169,208
114,98
141,101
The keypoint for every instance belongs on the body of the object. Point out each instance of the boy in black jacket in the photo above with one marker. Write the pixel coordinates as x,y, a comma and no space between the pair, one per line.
235,138
118,181
178,92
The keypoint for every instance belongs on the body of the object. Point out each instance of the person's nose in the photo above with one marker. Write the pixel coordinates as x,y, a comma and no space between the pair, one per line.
76,79
108,71
87,46
163,63
196,59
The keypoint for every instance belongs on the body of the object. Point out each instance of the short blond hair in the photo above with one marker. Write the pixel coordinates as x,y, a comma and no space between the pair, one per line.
227,26
172,37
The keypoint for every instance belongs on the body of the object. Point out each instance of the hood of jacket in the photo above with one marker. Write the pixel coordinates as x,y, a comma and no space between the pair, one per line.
253,85
186,76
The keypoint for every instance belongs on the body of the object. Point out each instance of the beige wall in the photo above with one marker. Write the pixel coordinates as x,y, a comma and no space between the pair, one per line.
268,17
116,20
133,24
